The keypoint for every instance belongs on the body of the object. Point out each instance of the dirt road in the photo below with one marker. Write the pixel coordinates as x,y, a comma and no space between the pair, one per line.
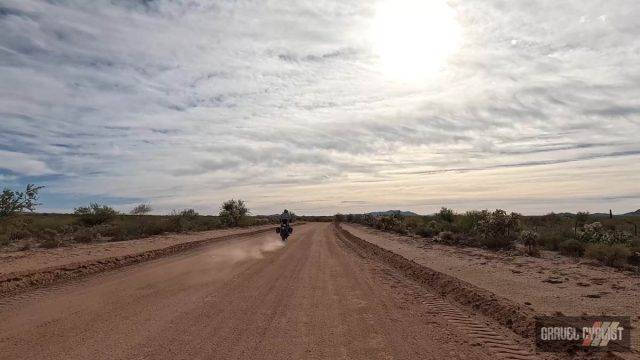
249,298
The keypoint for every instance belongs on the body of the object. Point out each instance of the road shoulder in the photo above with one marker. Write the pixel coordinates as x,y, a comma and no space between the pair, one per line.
34,268
530,286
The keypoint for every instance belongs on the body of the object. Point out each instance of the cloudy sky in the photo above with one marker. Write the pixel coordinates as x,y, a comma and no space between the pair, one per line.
323,106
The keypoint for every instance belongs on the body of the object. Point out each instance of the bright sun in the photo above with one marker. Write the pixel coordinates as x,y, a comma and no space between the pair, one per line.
414,38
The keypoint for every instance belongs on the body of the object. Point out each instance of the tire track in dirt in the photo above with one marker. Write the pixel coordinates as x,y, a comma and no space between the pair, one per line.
502,347
514,316
497,344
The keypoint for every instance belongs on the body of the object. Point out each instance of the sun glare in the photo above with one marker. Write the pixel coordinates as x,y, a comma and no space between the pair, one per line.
414,38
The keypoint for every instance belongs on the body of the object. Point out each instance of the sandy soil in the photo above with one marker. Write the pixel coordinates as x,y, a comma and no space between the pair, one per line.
317,297
32,260
551,284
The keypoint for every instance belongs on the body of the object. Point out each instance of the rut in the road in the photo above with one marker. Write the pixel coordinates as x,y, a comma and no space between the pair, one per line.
496,344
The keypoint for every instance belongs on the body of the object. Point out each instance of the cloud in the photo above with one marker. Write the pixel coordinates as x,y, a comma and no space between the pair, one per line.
187,103
22,164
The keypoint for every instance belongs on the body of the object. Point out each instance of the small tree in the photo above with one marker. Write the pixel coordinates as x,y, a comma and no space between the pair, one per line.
141,209
189,214
446,215
232,212
12,202
95,214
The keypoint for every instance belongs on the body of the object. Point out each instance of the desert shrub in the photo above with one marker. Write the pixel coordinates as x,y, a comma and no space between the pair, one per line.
153,227
497,229
571,247
468,221
582,217
496,242
18,234
457,239
119,231
551,237
394,223
412,222
51,243
550,241
141,209
593,233
12,202
400,228
446,237
232,212
85,235
261,221
529,238
596,233
50,239
551,219
185,220
611,255
189,214
426,231
634,248
95,214
446,215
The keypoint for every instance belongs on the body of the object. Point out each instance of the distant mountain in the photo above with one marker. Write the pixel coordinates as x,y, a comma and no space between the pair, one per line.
633,213
602,215
392,212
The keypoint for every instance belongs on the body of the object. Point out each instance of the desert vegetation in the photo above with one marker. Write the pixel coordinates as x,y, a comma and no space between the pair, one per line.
21,229
610,241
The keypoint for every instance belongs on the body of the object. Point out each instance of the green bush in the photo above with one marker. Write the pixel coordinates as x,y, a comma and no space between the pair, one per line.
13,202
185,220
232,212
468,222
141,209
572,247
95,214
446,215
611,255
